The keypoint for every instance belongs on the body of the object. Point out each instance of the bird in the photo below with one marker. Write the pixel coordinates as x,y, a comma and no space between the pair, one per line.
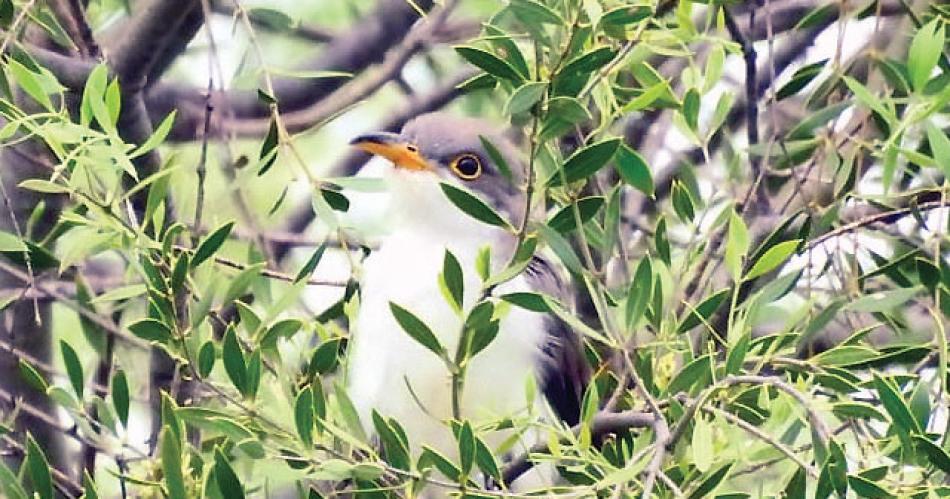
390,372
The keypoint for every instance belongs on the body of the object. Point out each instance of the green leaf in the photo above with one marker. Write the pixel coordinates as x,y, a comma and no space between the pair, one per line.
416,329
562,248
121,293
775,256
44,186
32,377
563,113
737,245
9,484
311,264
73,367
180,272
895,405
691,109
940,146
89,487
171,464
472,206
706,488
574,75
348,412
860,410
640,292
883,301
528,301
802,77
865,97
120,396
206,358
151,330
935,454
627,14
866,488
496,157
633,170
430,457
303,416
737,354
10,242
268,154
233,357
703,311
453,279
661,242
563,221
535,12
508,49
482,337
38,468
490,63
285,328
702,444
254,366
692,373
524,97
682,202
925,50
394,445
158,136
325,358
466,443
211,244
30,83
224,475
585,162
485,460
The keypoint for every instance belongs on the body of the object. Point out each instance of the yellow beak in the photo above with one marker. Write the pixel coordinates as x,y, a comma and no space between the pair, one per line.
394,148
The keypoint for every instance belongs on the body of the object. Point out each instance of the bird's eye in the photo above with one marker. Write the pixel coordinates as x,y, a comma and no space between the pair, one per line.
412,148
467,167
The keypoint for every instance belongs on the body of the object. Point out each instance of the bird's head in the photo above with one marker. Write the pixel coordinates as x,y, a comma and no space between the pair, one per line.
440,147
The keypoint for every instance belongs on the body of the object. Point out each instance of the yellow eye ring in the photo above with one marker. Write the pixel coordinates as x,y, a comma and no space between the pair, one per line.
467,167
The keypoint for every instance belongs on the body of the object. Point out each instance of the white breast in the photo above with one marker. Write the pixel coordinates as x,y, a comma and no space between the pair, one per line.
383,359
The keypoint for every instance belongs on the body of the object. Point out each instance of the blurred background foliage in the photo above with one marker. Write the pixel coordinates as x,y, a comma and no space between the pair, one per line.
759,275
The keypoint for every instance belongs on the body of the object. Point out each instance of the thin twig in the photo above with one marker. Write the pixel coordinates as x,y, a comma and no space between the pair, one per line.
761,435
106,325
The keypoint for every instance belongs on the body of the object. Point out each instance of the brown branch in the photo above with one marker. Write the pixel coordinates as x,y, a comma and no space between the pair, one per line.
316,34
603,423
361,45
61,481
144,38
272,274
72,17
354,91
817,423
105,324
761,435
888,217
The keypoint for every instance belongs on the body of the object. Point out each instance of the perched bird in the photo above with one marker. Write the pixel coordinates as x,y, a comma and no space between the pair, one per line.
388,371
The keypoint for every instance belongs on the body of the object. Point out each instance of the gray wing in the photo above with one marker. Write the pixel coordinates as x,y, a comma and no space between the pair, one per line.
564,372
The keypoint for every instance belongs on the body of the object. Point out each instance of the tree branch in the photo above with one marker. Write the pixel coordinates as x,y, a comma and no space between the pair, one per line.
603,423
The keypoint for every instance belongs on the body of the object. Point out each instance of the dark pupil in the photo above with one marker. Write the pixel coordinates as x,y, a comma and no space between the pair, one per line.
468,166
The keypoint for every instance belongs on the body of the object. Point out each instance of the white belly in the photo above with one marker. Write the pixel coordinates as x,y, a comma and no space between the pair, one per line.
384,362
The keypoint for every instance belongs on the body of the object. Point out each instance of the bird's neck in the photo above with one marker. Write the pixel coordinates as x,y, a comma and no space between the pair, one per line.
422,213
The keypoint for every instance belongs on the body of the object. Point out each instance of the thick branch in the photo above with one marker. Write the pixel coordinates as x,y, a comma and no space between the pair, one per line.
360,46
145,38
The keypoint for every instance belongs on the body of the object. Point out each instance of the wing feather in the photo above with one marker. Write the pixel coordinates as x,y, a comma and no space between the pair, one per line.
564,372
